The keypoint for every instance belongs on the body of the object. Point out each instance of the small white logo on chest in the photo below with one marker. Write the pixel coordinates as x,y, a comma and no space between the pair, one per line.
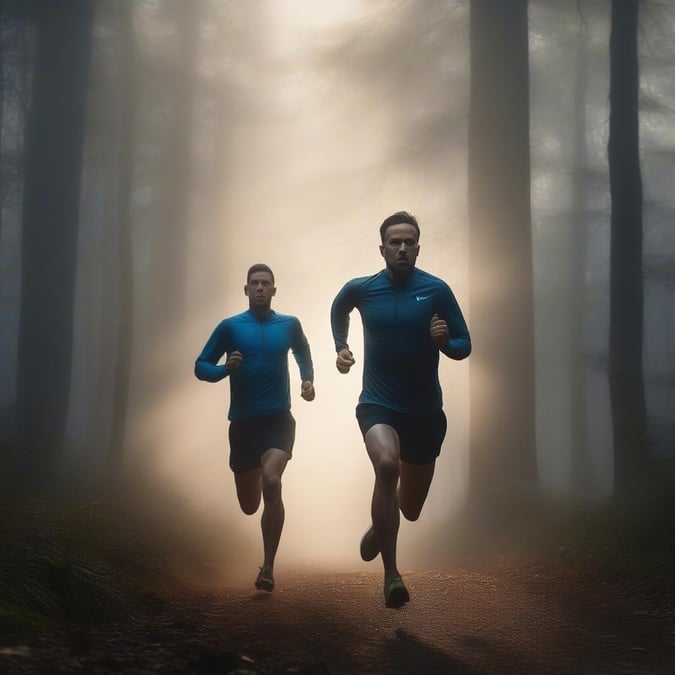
422,297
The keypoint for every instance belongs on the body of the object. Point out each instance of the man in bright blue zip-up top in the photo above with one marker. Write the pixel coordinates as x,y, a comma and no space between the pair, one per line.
409,317
262,428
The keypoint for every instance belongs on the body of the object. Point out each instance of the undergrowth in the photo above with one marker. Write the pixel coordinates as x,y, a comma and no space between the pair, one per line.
98,561
632,539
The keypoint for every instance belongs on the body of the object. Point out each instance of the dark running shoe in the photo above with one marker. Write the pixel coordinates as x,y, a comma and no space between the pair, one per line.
265,580
369,548
395,592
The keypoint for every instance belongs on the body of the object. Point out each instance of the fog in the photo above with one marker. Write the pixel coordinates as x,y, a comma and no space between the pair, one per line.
297,202
310,123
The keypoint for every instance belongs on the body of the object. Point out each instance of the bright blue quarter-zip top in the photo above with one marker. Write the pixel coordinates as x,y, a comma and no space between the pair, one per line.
260,386
400,362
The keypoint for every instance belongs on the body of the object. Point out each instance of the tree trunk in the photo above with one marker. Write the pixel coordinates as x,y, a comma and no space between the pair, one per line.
53,163
581,466
3,80
125,162
626,383
502,424
168,294
170,286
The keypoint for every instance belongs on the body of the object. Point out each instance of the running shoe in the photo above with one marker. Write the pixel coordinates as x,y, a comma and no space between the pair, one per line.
265,580
395,592
369,547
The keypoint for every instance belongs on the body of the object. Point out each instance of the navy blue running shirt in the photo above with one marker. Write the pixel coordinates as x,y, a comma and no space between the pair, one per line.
400,363
260,386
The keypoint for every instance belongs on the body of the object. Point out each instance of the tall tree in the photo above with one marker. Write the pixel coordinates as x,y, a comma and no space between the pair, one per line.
502,423
170,281
626,384
168,263
53,163
125,160
581,468
3,14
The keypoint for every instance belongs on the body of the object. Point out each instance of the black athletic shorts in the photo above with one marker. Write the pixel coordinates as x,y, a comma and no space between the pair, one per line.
420,435
251,437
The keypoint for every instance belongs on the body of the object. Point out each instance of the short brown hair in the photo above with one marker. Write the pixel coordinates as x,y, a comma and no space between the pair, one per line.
396,219
259,267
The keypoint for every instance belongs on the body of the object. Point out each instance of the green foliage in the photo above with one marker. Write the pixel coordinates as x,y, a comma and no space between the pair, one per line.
46,574
19,620
97,561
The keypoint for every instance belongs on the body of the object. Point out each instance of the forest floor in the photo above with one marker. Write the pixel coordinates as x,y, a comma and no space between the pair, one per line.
571,608
509,620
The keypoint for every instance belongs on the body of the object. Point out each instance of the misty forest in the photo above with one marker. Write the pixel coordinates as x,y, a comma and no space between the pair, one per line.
151,151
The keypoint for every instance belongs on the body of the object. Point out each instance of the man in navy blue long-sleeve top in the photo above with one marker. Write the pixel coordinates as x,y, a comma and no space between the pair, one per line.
262,428
408,317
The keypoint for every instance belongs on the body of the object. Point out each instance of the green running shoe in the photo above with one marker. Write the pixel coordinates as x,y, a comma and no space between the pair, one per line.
395,592
265,580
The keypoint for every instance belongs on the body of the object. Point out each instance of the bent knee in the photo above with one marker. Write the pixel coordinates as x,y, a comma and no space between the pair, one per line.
271,487
387,469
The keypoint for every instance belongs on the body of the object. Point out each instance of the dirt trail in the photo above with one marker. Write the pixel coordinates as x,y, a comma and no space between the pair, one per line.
459,621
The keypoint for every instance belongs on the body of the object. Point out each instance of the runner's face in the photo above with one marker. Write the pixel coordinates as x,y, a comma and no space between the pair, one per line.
400,247
260,290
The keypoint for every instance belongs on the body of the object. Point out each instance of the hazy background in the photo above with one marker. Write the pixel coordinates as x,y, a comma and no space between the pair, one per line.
303,126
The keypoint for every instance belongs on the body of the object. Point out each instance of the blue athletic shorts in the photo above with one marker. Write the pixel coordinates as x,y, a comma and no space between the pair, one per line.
420,435
251,437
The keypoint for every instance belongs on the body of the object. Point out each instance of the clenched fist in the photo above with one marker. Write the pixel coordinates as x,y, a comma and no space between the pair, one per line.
234,360
438,330
344,361
307,391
